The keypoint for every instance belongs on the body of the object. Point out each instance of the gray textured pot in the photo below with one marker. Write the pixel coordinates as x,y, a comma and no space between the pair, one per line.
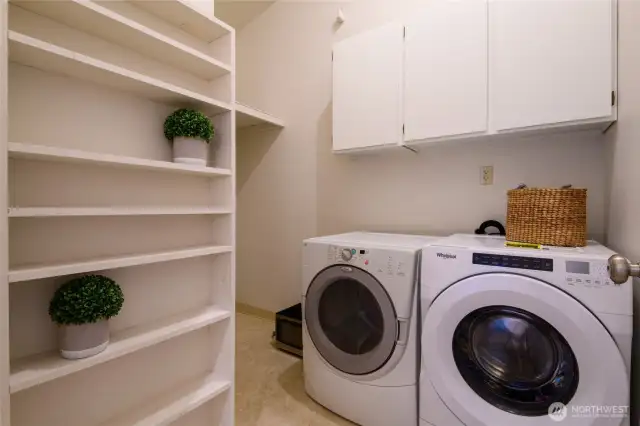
83,341
192,151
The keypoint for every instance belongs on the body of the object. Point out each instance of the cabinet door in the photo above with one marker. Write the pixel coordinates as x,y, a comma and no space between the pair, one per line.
367,89
446,70
549,62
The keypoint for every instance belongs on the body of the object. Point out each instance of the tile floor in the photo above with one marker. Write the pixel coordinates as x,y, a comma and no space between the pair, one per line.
269,383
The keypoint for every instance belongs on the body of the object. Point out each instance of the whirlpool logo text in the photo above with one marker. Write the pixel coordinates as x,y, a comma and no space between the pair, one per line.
446,255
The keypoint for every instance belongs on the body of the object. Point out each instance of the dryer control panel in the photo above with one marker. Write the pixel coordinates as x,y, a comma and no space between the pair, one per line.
361,257
347,254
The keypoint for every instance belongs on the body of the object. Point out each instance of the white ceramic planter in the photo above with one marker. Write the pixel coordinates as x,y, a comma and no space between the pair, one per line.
83,341
192,151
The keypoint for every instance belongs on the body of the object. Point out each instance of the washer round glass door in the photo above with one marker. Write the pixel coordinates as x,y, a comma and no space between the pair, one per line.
515,360
501,348
351,319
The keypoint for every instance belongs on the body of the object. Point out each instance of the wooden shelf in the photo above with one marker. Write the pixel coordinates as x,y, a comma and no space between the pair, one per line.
39,369
92,18
168,408
180,14
113,211
247,116
39,54
33,272
48,153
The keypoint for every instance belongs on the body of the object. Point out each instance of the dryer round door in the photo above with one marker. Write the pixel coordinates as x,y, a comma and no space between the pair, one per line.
500,349
351,319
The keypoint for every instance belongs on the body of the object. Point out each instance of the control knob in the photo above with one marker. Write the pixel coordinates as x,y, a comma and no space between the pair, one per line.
346,255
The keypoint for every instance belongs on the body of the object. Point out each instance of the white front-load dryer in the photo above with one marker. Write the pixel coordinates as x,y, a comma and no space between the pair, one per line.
360,338
523,337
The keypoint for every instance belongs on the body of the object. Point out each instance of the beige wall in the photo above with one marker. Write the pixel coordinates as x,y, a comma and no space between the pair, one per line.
624,154
291,186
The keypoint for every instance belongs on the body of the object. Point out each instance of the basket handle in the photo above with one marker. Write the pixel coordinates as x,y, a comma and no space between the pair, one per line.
524,185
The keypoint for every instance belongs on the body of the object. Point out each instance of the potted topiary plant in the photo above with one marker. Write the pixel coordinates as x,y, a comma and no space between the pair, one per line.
81,308
190,131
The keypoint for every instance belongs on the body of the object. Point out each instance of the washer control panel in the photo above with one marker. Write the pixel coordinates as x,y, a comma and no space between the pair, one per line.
587,274
518,262
577,273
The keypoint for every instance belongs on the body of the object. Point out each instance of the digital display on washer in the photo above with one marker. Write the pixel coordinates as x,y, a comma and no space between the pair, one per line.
574,267
518,262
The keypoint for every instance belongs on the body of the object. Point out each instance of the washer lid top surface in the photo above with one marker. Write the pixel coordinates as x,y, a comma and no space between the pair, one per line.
351,319
506,318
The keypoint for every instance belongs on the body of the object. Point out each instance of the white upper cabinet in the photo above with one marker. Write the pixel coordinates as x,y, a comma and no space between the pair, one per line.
367,89
446,71
467,68
550,62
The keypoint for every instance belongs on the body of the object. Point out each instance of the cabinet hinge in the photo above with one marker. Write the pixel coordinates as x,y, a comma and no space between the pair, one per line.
613,97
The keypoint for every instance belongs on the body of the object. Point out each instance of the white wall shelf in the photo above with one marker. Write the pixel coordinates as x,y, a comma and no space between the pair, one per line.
45,56
92,83
180,14
34,272
39,369
247,116
168,408
113,211
49,153
95,19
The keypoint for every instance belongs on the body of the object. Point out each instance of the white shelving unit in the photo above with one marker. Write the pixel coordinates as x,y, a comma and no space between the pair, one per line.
48,57
34,272
102,22
168,408
180,14
113,211
91,188
33,371
54,154
247,117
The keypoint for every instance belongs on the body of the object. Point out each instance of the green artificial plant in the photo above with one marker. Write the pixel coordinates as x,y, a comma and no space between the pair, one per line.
188,123
86,299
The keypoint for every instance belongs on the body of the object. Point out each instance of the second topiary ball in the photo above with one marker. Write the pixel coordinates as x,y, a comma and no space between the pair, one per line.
188,123
190,131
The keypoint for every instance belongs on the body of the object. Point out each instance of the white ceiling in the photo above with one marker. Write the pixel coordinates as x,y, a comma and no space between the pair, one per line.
239,13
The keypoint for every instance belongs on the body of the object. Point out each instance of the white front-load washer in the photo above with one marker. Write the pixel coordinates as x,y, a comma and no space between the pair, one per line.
522,337
360,339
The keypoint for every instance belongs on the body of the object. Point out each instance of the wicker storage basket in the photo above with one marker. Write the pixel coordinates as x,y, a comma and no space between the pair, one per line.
555,217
